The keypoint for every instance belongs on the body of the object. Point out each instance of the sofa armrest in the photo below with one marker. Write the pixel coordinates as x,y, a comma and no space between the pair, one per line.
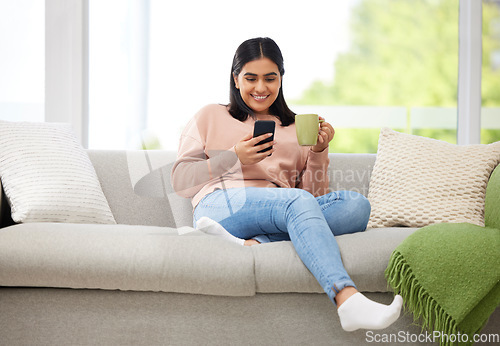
1,202
5,218
492,200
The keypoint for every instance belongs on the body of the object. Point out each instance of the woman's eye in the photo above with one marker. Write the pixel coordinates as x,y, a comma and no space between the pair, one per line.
251,79
270,79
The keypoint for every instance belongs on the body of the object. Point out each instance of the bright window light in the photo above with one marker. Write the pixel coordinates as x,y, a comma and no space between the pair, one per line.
22,60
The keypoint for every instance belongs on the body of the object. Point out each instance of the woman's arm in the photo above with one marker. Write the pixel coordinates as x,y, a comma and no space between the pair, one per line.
315,176
194,169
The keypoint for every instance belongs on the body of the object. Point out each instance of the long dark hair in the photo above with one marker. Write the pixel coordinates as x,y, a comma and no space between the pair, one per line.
250,50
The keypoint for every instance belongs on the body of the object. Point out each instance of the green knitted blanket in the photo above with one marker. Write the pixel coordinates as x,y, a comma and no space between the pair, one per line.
449,274
449,277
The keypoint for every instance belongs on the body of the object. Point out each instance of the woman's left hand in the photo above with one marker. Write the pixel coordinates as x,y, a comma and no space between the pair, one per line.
325,135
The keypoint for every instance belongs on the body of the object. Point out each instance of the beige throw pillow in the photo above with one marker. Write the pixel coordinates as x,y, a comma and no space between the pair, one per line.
48,177
417,181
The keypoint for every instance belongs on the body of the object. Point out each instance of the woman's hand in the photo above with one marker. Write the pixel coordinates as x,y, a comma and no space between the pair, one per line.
247,151
325,135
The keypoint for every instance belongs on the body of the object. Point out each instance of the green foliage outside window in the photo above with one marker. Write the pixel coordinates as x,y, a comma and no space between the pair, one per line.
405,53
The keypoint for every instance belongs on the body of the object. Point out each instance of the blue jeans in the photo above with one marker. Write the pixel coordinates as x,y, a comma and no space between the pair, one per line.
274,214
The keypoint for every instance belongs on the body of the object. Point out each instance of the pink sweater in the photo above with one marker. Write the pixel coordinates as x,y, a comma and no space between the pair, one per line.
206,159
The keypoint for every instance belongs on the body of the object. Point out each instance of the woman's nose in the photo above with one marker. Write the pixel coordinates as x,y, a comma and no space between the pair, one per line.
260,87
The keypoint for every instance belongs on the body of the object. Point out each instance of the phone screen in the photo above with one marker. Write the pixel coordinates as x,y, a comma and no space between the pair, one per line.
261,127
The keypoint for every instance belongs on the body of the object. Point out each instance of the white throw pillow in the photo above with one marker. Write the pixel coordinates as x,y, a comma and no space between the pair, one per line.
48,177
417,181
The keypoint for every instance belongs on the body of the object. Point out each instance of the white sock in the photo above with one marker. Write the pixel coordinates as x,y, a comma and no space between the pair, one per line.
360,312
209,226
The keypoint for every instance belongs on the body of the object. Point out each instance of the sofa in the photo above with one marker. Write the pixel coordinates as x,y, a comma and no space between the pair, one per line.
151,279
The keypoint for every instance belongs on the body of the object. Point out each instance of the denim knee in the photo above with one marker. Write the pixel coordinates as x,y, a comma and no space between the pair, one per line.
359,204
302,203
301,197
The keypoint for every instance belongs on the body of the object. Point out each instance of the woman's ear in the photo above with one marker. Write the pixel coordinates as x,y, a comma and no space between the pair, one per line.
235,77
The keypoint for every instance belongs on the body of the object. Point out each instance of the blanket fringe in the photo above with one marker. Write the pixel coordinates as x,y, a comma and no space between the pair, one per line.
425,309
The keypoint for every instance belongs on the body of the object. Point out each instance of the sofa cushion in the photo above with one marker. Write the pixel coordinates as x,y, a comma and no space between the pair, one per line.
137,185
123,257
350,172
47,175
365,256
417,181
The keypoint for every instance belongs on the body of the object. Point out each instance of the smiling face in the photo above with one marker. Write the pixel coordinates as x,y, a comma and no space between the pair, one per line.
259,83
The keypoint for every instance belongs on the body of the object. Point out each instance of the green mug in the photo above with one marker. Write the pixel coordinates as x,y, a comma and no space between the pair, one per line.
307,126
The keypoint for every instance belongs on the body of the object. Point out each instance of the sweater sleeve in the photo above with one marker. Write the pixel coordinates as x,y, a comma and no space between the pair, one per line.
315,175
193,168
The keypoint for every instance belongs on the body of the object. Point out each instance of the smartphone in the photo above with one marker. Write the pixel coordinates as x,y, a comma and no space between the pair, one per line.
261,127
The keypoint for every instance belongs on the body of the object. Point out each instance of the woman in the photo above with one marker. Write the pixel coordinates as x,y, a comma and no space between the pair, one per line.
249,196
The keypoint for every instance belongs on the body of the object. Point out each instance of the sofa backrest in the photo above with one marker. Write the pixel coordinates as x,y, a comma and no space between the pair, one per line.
351,172
137,184
138,189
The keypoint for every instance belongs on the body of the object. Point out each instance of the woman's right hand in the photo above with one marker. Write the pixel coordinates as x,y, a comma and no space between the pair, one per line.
247,151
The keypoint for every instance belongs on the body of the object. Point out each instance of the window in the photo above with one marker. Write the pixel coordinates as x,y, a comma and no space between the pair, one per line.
490,81
115,117
400,71
362,64
154,64
22,51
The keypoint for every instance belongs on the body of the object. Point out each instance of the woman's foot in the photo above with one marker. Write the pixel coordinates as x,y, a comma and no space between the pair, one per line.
357,311
250,242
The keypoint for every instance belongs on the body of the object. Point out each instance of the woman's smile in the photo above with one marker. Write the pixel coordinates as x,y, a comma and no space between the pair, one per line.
260,98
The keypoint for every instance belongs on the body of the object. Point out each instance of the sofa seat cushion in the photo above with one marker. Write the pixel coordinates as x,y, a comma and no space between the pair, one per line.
123,257
365,256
